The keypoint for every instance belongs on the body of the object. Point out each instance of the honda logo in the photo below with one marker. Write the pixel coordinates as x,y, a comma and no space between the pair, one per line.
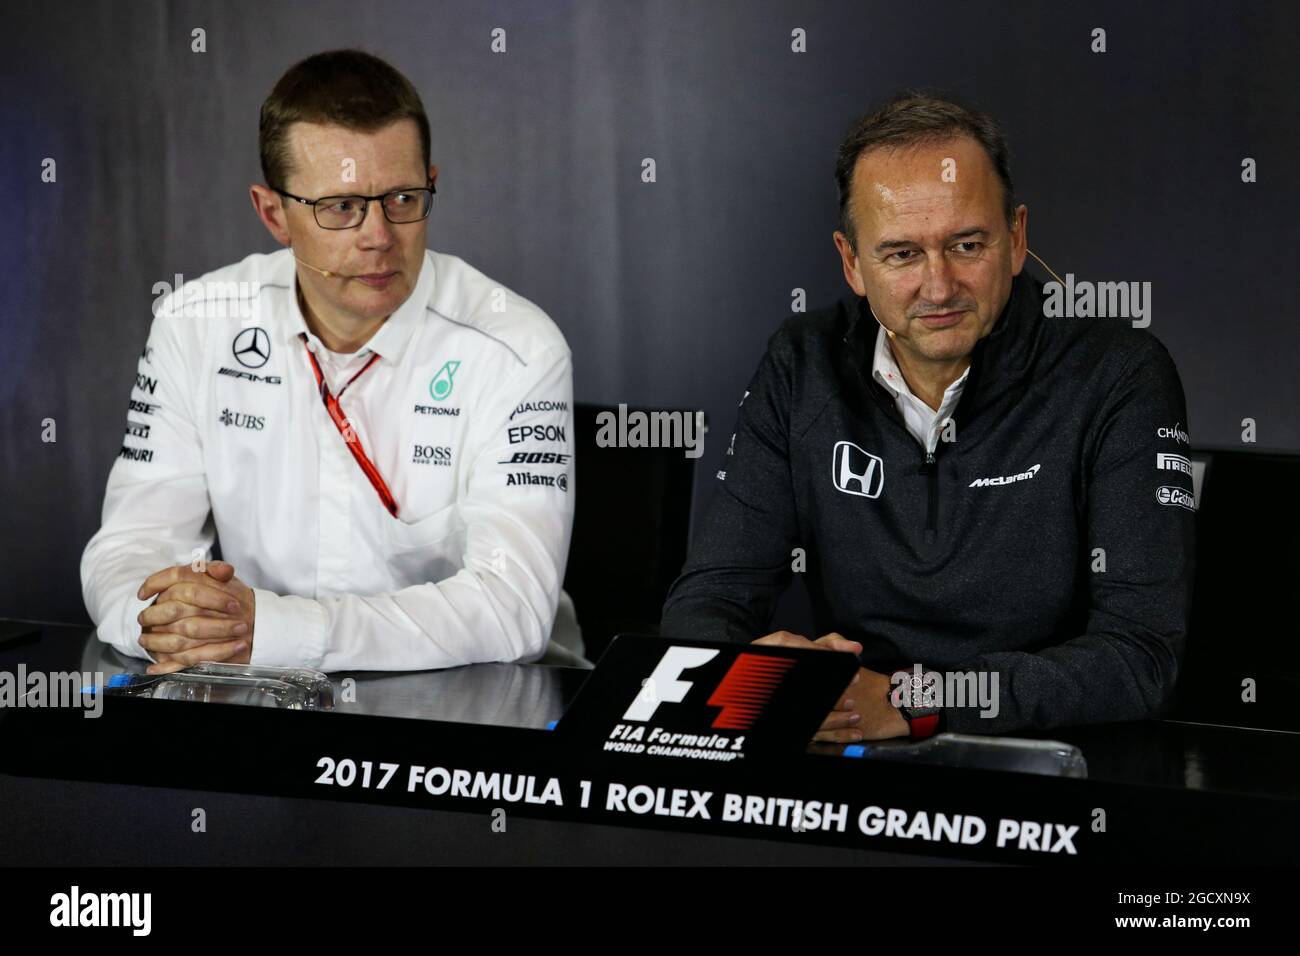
856,471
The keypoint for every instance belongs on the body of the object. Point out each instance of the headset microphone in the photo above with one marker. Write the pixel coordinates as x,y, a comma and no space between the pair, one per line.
325,272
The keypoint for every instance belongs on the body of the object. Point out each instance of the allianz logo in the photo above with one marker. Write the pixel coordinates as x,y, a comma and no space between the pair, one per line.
1006,479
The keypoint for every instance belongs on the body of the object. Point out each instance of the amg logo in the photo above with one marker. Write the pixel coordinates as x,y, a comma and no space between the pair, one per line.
1167,462
1005,480
436,410
236,373
528,478
135,454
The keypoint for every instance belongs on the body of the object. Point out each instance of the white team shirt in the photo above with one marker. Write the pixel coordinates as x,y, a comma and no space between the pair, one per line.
921,420
467,414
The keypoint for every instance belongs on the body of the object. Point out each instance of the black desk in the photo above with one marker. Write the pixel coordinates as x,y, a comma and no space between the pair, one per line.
124,788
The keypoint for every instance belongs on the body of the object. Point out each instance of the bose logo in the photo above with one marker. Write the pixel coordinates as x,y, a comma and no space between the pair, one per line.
855,471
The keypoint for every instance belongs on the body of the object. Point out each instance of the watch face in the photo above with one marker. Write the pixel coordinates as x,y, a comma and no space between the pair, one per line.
912,696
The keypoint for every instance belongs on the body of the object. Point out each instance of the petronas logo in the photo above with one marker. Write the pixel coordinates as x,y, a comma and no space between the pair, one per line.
440,385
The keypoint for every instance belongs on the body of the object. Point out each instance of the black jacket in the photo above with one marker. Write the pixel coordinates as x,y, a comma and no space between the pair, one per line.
982,559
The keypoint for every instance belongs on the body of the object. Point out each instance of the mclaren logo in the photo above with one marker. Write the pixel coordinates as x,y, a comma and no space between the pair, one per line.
252,347
1005,479
855,471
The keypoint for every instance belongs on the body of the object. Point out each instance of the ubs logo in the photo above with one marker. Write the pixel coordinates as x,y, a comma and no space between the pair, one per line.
252,347
242,420
855,471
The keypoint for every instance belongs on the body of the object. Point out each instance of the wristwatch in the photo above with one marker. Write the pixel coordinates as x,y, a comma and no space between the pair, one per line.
922,721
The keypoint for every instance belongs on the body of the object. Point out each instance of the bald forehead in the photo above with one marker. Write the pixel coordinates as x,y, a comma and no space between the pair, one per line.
924,183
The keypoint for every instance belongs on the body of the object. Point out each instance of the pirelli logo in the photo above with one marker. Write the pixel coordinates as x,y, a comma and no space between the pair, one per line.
1168,462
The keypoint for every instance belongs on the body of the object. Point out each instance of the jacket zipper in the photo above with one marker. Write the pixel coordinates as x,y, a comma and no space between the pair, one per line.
931,471
929,467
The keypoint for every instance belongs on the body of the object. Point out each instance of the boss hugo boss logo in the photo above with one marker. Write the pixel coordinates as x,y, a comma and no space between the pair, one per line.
855,471
242,420
252,347
443,381
432,455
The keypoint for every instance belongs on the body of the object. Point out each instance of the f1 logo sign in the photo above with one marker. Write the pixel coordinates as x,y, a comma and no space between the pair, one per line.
743,692
856,471
663,685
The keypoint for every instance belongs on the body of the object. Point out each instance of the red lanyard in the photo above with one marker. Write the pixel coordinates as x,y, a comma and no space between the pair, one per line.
349,434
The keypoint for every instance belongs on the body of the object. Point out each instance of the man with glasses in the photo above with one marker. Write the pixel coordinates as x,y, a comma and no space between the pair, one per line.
377,434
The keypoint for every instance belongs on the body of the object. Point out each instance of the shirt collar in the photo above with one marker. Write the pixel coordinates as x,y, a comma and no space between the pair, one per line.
999,360
392,338
885,370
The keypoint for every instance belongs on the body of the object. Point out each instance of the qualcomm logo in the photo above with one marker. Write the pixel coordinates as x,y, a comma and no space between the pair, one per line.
855,471
1006,479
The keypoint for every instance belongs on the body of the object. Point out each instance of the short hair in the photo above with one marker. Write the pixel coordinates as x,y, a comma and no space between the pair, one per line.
914,118
348,88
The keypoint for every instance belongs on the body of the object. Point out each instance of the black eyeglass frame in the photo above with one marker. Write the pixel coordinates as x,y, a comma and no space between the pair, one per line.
431,189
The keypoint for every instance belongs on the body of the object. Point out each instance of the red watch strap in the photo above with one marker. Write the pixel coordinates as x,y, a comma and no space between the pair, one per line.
924,726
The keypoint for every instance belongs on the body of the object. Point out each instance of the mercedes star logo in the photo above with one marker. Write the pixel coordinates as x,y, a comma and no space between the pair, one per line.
252,347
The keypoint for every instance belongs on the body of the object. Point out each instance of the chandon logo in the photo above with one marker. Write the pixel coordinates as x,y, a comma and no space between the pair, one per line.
742,693
1006,480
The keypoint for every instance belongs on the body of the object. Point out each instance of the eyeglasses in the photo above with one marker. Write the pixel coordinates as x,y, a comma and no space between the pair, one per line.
348,212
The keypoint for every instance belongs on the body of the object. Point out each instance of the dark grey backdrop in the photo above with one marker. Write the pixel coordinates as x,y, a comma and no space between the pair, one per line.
1128,160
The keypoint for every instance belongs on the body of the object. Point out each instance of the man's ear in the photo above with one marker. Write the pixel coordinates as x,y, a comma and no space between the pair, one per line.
1019,239
849,260
270,210
433,175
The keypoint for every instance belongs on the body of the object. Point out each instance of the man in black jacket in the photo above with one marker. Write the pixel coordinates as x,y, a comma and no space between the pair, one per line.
994,500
